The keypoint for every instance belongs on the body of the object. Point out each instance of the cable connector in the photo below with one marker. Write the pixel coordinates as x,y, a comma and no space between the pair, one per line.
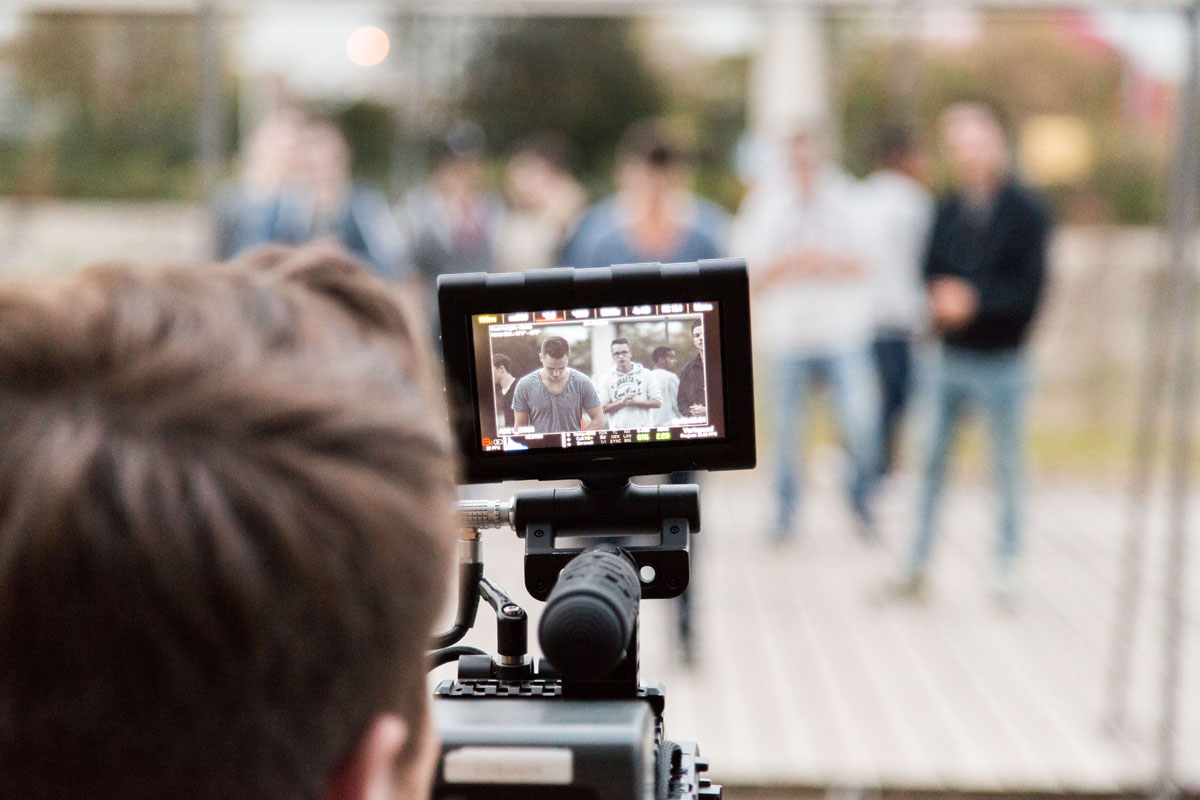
483,514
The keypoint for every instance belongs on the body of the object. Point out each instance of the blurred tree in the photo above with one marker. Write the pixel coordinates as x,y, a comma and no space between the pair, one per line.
123,92
522,351
371,131
1024,67
584,78
708,99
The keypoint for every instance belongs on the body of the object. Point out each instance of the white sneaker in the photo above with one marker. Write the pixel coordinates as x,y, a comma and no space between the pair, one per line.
1004,588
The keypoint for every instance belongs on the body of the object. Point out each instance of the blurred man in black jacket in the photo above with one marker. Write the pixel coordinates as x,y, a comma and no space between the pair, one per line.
984,271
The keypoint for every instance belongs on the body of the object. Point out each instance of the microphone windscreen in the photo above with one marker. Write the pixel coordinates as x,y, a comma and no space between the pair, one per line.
589,617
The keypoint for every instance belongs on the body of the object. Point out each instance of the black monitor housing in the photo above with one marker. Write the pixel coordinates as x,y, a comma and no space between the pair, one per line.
715,291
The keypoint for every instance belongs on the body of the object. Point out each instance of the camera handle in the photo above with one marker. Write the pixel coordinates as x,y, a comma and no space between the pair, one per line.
653,524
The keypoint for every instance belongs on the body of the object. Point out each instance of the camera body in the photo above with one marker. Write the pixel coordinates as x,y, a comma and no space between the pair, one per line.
546,380
535,749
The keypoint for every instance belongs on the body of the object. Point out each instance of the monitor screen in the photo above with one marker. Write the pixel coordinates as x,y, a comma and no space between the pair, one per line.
602,377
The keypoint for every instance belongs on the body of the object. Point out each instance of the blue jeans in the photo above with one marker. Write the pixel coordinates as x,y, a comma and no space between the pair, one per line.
893,360
855,395
997,383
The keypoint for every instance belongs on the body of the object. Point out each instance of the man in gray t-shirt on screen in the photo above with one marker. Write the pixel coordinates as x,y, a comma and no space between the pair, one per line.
555,397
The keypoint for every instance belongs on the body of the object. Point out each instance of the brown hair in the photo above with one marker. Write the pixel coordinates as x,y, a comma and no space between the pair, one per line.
224,528
555,347
654,144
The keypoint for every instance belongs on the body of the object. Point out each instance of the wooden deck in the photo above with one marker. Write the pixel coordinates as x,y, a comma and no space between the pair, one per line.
809,675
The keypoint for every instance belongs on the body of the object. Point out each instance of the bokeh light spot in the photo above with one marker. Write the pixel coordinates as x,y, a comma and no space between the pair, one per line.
367,46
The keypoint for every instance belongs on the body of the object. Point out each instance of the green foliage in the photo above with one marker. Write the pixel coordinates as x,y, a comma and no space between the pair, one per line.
370,130
714,104
1134,188
645,336
1022,67
124,90
584,78
522,351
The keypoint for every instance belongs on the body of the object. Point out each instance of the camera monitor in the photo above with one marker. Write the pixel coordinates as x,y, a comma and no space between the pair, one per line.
580,373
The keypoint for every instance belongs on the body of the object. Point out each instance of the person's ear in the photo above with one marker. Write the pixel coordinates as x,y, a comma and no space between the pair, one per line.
370,771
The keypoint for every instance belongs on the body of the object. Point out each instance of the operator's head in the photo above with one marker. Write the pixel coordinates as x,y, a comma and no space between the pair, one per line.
501,366
554,356
698,335
222,536
974,145
664,358
622,354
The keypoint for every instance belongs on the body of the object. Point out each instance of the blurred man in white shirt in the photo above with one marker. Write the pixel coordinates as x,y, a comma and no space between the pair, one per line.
811,275
898,211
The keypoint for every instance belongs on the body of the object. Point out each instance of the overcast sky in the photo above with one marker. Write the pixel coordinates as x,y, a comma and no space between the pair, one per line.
1155,40
306,42
307,45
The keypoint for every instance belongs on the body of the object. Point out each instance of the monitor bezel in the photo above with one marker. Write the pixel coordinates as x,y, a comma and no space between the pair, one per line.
463,296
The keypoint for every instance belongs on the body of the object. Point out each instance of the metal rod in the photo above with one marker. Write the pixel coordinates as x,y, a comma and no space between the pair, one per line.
1160,351
1166,785
211,113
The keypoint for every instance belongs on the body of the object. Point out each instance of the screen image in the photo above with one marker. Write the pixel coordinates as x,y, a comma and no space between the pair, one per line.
598,377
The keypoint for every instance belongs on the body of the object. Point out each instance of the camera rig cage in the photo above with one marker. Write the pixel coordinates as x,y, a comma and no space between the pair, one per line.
581,724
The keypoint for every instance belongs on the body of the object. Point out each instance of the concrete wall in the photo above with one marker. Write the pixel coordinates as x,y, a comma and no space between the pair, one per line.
53,236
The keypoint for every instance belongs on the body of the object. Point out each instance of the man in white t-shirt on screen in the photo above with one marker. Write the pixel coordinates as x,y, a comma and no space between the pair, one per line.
629,394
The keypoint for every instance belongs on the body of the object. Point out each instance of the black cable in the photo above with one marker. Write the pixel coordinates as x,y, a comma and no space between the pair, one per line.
469,576
447,654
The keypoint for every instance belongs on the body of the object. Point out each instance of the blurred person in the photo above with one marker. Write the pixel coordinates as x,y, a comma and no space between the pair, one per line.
629,394
811,275
453,219
545,203
985,271
665,363
898,211
250,213
225,533
555,398
504,380
653,216
340,212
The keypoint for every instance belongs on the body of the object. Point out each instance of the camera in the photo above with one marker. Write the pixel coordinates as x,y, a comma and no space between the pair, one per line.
546,381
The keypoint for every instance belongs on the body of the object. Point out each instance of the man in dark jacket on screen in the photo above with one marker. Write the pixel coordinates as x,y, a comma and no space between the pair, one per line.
693,396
